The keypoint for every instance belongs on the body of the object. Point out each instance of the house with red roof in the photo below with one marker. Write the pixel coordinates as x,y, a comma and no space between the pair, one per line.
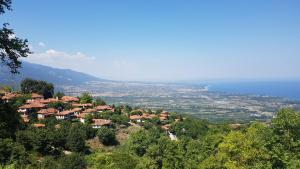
104,108
44,113
98,123
65,115
82,105
69,99
27,109
9,96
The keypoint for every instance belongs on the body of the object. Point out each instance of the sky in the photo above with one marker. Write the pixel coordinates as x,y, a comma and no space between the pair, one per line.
163,40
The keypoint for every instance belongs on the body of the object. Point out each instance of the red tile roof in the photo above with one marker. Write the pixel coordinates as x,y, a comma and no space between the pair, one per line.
46,101
82,105
39,125
63,113
9,96
166,127
101,122
164,114
104,107
47,111
135,117
69,99
36,96
148,116
33,105
82,115
89,111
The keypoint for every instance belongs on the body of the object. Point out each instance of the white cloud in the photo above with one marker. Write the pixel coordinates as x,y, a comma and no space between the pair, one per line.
42,44
75,61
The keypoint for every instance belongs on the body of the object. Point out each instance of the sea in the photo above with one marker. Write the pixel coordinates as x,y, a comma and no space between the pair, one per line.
286,88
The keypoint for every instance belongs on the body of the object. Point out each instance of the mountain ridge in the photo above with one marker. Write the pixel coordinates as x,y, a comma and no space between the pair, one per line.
56,76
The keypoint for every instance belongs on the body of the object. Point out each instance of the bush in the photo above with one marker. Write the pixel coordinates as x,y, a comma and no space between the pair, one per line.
106,136
73,161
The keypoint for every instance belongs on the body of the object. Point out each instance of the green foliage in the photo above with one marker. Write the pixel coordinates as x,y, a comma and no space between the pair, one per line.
285,145
58,95
119,119
246,150
127,109
11,48
12,152
190,127
73,161
136,112
9,120
139,142
6,88
106,136
37,86
20,100
85,98
115,160
99,102
75,140
60,105
43,141
5,5
88,119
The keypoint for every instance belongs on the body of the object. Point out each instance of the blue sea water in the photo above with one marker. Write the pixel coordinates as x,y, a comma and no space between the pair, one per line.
285,89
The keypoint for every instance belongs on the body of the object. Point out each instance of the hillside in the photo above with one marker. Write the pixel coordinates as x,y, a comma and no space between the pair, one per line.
50,74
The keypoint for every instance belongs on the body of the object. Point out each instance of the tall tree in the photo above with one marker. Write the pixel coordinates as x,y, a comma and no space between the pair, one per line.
106,136
9,120
86,98
37,86
11,47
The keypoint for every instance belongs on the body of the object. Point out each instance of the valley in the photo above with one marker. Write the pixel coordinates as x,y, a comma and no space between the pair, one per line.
195,100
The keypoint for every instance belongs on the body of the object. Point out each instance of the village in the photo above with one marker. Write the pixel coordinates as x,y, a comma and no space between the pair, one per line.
36,109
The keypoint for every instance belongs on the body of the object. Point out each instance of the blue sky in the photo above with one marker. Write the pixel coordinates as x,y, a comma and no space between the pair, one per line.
163,40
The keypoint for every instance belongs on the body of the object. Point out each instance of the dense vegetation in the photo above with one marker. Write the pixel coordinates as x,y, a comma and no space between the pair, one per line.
37,86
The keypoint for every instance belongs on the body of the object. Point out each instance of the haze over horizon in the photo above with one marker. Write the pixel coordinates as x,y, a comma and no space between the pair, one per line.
163,40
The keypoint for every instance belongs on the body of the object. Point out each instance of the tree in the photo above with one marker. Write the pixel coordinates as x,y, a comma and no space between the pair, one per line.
76,139
43,141
190,127
85,98
113,160
59,95
243,149
60,105
6,88
285,138
37,86
139,142
11,152
99,102
120,119
9,120
73,161
11,47
106,136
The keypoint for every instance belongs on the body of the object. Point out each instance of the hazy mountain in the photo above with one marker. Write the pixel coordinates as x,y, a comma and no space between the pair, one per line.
50,74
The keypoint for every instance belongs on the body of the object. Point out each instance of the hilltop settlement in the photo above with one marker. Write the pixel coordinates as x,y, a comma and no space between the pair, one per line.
36,109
